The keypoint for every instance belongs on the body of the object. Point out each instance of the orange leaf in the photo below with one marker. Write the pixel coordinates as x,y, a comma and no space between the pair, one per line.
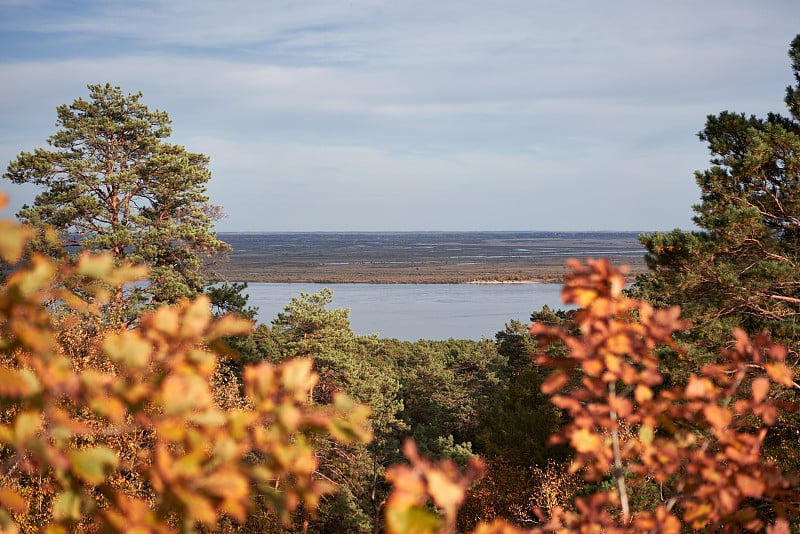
619,344
781,526
698,388
592,367
668,523
13,501
749,486
12,384
760,387
718,416
621,405
555,381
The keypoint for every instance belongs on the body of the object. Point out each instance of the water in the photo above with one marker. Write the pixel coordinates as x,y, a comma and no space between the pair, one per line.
419,311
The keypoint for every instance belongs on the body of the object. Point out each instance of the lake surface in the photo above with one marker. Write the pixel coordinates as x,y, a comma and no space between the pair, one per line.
411,312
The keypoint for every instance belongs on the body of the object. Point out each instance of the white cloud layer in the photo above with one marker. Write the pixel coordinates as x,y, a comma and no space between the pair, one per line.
365,115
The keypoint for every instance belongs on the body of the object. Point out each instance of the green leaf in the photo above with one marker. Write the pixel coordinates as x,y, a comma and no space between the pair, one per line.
67,506
26,426
94,464
415,520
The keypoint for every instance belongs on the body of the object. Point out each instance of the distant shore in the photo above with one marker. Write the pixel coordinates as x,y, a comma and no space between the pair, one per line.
505,282
421,258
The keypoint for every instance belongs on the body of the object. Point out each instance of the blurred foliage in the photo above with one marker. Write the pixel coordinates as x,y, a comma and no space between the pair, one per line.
701,441
118,429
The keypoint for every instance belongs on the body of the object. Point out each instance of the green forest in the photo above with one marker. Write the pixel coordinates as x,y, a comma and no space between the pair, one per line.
139,395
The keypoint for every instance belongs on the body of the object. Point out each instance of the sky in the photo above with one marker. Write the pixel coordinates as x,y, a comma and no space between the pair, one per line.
359,115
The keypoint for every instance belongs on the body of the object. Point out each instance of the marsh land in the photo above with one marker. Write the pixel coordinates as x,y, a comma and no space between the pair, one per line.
420,257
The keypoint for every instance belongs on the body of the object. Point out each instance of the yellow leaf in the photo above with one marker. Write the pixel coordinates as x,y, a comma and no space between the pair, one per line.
13,238
497,526
445,493
289,416
95,265
592,367
196,318
668,523
181,394
779,373
199,508
228,483
26,426
206,361
110,407
102,266
584,440
298,376
642,393
697,514
164,319
582,296
37,274
646,435
229,325
128,348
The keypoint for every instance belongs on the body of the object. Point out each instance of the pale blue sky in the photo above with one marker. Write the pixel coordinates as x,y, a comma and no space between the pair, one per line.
434,115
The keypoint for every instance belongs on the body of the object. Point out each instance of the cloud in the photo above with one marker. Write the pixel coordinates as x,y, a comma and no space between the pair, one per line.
386,115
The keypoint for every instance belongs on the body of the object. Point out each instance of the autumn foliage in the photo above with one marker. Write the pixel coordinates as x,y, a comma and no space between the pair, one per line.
700,442
64,427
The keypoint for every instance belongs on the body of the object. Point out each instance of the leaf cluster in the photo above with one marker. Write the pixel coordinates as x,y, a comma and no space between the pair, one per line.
62,423
700,441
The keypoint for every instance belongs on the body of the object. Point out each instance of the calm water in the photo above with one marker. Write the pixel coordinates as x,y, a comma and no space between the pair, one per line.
419,311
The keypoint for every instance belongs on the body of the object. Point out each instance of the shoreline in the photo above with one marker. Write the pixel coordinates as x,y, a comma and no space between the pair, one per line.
507,282
555,279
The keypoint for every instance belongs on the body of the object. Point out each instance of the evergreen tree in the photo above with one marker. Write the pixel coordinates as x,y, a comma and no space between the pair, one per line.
356,365
742,268
112,182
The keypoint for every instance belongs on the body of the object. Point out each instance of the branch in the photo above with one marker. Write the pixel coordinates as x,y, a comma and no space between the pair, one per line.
619,473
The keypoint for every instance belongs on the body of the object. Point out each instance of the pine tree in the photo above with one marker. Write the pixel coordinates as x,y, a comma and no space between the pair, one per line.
111,182
742,268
